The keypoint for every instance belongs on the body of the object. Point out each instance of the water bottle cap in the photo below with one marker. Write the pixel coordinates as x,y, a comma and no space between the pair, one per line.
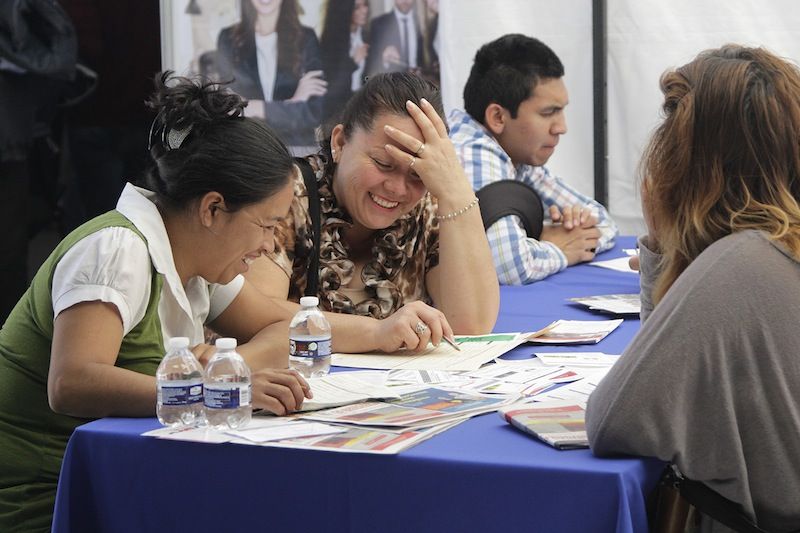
309,301
226,343
178,343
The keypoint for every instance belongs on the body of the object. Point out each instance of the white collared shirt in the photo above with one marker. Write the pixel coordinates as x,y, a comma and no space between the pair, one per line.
267,56
114,265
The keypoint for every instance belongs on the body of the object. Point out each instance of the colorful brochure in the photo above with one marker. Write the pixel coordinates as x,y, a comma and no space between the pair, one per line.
561,425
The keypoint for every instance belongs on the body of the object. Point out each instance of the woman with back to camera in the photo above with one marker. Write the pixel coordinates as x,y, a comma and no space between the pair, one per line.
400,226
275,63
711,382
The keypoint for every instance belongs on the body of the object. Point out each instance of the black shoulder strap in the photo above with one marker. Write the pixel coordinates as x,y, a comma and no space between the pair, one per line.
711,503
511,197
312,273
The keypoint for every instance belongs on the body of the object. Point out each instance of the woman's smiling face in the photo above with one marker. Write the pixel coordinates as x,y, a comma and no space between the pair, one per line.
372,187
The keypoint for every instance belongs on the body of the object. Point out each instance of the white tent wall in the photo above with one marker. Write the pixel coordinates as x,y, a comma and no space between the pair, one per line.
566,27
647,37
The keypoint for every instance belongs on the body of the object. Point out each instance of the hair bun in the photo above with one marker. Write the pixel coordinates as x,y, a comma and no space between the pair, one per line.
187,105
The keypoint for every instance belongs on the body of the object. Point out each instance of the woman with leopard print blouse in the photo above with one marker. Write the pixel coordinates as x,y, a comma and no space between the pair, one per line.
401,237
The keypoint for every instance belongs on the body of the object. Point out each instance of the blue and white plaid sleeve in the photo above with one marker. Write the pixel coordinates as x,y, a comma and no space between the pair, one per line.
553,191
519,259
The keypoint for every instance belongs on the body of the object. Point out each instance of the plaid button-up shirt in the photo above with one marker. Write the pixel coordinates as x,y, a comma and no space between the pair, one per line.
518,258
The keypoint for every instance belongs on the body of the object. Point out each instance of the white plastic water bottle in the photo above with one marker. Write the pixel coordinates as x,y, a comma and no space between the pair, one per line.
310,340
179,382
227,388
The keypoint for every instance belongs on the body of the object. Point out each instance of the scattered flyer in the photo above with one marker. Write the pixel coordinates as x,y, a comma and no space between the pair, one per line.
423,377
286,430
577,391
590,359
575,331
363,440
421,408
474,351
615,304
620,264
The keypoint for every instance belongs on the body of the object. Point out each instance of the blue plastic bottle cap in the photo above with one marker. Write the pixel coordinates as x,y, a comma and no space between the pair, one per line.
226,343
178,343
309,301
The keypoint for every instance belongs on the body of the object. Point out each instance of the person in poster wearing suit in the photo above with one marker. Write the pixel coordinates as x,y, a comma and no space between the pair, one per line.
275,63
395,40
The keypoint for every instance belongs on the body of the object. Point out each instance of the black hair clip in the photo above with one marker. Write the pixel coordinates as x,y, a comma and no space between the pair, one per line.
171,138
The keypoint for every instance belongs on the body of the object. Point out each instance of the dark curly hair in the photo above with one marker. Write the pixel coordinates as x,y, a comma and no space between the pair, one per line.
215,149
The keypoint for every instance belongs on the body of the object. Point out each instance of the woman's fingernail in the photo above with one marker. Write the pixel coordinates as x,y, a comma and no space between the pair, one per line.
388,128
424,102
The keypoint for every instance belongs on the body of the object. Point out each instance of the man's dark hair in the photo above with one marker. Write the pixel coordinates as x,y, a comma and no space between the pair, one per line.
506,71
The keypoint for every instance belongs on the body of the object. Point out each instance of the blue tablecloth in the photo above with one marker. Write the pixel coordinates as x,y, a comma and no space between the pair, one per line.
482,475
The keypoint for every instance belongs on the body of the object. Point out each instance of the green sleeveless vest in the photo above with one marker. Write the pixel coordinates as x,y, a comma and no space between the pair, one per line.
32,436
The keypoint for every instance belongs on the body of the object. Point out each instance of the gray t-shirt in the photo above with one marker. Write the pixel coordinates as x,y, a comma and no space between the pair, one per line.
712,380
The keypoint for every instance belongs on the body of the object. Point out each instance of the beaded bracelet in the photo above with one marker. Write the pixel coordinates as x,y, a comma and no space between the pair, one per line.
454,214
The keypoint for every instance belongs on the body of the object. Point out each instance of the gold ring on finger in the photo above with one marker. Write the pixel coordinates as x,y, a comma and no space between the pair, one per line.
421,149
413,160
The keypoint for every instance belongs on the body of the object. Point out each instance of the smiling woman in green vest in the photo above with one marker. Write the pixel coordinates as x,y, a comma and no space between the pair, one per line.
86,338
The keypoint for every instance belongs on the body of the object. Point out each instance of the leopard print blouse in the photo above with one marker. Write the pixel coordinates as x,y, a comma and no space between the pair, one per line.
402,254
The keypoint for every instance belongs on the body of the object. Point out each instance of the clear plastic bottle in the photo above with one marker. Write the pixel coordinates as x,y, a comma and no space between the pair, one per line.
227,388
179,383
310,340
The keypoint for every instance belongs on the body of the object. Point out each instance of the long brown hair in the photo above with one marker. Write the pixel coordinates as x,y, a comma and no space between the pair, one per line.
289,35
726,158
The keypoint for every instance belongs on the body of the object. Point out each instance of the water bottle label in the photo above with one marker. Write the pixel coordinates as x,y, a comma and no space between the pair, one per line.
310,348
226,395
180,392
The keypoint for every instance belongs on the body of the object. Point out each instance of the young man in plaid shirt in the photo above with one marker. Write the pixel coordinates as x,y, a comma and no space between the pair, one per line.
514,104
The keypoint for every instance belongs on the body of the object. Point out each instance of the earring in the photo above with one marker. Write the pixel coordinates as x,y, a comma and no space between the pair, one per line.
333,154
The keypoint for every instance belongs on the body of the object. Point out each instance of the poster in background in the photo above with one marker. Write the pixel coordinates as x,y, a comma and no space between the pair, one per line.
297,62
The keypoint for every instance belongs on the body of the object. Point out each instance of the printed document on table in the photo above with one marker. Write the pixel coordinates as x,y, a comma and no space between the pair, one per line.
421,408
575,331
258,432
582,359
475,351
577,391
616,304
342,388
260,429
423,377
364,440
620,264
